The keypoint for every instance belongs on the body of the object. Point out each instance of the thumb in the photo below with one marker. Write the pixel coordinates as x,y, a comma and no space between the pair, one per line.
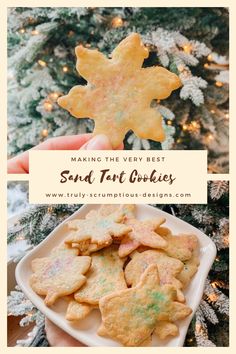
98,142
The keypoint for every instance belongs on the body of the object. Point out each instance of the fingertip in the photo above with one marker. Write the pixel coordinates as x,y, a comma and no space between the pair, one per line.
98,142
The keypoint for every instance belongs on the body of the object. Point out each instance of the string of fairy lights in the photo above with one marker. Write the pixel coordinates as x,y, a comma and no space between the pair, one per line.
194,127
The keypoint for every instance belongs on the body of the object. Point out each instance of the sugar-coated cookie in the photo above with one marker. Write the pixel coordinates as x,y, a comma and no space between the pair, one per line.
119,91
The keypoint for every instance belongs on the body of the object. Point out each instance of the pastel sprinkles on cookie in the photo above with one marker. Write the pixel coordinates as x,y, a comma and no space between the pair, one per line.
135,274
142,233
104,277
168,269
96,229
60,274
130,316
179,246
119,91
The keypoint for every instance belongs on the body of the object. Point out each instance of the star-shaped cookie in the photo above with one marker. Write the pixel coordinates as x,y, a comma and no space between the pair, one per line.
142,233
130,316
119,91
59,274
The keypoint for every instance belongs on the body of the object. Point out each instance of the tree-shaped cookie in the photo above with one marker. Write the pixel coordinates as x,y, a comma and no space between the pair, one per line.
104,277
59,274
142,233
96,230
119,91
179,246
130,316
168,269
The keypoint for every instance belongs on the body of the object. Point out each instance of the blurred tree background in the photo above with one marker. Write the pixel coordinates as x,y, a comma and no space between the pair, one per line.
192,42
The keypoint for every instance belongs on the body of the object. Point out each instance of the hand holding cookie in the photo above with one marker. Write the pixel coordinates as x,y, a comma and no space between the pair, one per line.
20,163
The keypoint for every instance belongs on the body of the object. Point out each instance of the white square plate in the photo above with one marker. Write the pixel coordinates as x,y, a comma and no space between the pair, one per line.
85,331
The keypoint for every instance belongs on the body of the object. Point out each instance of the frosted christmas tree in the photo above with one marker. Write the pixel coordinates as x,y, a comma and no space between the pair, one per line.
190,42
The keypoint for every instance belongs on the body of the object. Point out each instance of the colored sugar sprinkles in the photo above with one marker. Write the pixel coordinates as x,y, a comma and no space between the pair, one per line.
132,271
119,91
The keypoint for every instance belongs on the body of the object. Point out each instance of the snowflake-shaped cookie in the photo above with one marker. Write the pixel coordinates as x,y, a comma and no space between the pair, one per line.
96,230
119,91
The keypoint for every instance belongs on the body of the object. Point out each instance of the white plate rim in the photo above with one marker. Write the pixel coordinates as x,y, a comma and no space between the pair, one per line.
36,300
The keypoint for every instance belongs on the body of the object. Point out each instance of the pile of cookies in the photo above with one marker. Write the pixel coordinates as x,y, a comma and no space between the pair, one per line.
134,271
